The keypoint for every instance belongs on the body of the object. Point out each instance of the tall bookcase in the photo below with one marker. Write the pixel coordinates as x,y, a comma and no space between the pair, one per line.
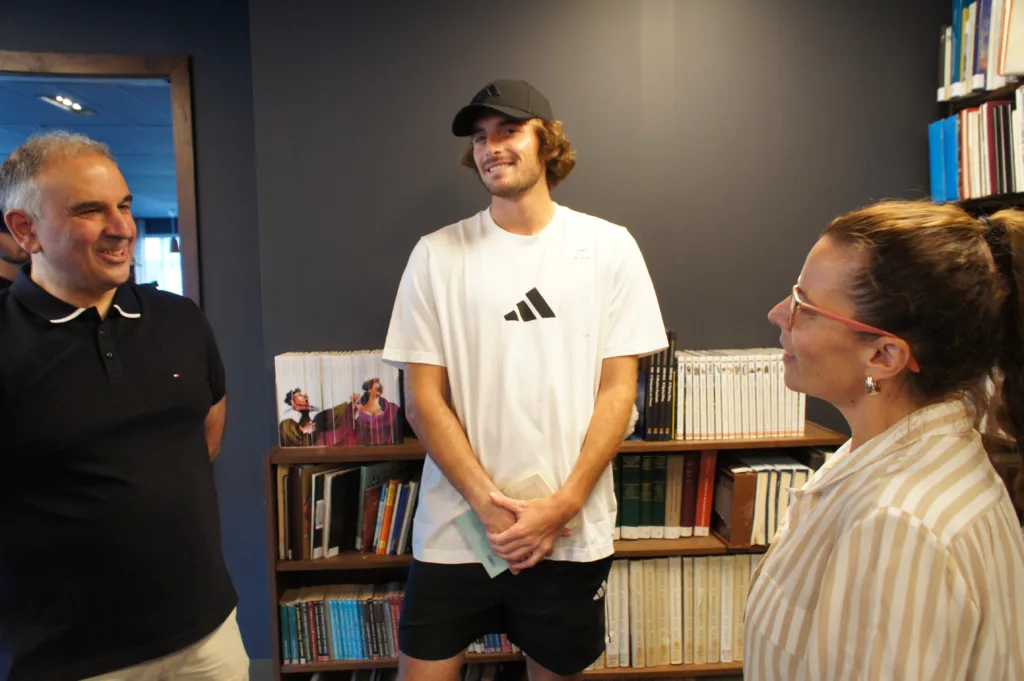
363,568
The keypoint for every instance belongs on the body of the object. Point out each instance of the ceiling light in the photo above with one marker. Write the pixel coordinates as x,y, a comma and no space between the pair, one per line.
67,104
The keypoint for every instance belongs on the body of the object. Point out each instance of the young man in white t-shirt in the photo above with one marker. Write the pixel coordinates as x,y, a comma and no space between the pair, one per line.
519,330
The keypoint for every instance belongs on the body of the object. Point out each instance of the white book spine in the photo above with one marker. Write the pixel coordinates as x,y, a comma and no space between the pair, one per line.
637,617
622,567
688,610
700,610
714,591
728,587
675,591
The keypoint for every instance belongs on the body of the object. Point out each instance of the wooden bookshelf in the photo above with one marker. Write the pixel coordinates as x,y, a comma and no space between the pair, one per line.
349,560
626,548
673,671
814,435
386,663
286,574
976,98
654,548
986,205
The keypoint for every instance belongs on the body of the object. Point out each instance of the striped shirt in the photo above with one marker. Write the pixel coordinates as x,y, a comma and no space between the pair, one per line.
901,560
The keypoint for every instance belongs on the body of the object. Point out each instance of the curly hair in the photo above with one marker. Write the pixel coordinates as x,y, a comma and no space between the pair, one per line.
555,149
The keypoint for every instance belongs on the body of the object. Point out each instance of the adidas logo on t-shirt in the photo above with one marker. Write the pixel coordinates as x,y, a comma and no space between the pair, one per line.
528,314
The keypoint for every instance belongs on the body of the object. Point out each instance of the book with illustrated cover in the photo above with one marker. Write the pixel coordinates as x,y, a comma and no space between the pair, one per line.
339,399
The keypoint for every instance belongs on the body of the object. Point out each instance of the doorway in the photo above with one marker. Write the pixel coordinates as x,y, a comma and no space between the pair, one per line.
132,116
140,106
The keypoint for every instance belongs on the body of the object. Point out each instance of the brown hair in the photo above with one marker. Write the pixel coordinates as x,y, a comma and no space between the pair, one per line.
948,284
554,146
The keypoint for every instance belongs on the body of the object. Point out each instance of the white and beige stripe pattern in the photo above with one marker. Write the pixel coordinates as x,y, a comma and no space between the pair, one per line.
903,559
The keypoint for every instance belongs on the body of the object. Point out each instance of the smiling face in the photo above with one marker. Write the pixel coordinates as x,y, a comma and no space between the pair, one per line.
507,157
83,238
822,357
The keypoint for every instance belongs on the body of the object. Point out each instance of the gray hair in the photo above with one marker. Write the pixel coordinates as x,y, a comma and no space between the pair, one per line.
19,171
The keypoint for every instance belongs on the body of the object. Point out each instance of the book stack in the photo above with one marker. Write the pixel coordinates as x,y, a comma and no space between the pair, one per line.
327,399
324,509
352,622
676,611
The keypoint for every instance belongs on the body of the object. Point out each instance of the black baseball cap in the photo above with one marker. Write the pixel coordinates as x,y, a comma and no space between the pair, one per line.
514,98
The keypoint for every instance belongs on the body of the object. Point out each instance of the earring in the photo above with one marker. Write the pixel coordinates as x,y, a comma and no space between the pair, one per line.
871,387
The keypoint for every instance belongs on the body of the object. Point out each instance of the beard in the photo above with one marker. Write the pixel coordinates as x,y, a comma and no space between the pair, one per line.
524,180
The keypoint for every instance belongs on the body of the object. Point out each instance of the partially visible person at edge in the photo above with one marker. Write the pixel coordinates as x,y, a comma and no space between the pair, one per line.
11,257
519,328
112,407
902,557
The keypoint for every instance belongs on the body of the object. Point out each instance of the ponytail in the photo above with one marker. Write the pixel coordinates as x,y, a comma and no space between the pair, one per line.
1004,233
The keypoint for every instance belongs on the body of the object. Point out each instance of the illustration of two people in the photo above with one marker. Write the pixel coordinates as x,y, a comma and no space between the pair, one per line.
367,419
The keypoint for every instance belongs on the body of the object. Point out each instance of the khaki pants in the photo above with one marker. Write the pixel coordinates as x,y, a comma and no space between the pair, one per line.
218,657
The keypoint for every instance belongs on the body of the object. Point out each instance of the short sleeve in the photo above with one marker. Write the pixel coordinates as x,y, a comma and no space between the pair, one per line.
635,325
414,334
215,373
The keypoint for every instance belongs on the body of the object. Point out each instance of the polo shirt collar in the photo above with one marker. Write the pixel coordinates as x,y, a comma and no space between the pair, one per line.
56,311
945,418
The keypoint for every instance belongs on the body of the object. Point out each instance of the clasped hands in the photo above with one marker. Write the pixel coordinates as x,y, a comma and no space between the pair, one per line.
523,533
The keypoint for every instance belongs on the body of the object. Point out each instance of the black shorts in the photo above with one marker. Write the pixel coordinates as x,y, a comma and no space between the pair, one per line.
553,611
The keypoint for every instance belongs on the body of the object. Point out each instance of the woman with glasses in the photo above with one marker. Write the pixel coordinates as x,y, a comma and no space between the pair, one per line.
902,557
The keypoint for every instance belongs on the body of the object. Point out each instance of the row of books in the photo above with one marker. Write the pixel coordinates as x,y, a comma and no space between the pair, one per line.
677,610
329,399
324,509
735,394
982,48
752,495
977,152
716,395
352,622
739,496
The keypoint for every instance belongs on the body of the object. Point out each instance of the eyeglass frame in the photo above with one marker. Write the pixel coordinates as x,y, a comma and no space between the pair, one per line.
852,324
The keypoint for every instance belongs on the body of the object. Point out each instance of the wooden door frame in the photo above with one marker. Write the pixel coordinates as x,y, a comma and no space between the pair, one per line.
176,70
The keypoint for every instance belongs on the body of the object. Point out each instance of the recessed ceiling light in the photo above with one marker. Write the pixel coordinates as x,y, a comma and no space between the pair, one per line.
67,104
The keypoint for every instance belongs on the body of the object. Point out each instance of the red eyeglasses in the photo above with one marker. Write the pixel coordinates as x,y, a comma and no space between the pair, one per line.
796,302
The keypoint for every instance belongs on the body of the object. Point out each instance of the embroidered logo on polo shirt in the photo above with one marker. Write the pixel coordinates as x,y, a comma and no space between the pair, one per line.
526,313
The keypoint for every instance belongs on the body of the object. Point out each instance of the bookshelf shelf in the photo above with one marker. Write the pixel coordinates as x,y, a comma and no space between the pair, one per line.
976,98
652,548
344,665
995,202
410,450
627,548
814,436
674,671
350,560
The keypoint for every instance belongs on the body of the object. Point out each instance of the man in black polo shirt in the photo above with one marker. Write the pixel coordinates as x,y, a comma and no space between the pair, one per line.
111,411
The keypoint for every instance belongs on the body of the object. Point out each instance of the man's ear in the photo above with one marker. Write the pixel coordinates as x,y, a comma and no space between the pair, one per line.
19,223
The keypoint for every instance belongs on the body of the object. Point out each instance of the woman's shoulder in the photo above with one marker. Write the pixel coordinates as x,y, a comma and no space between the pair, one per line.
944,485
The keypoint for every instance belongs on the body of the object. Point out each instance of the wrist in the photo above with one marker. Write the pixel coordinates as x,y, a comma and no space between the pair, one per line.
480,501
569,503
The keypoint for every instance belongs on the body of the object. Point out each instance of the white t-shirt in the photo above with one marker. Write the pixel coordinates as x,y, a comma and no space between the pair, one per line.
522,324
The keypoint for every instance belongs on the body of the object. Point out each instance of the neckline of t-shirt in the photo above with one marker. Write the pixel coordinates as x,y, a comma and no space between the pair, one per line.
557,218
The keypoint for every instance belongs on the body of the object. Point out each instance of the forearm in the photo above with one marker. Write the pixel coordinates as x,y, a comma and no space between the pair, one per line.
447,445
612,410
